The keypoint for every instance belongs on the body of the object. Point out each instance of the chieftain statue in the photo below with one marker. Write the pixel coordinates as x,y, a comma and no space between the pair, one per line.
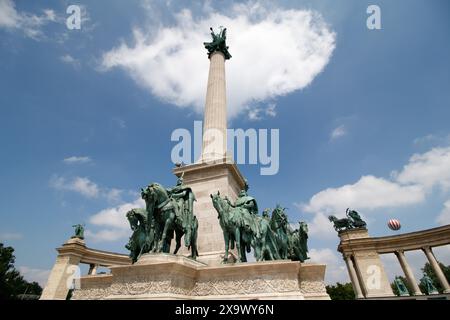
271,237
402,290
352,221
427,283
168,213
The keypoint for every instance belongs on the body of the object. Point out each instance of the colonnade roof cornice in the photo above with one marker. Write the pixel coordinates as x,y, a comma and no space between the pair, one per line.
404,242
93,256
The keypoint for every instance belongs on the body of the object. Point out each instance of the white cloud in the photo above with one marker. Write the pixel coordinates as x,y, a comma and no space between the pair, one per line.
107,235
113,195
338,132
254,114
320,226
427,169
444,216
432,139
368,193
335,270
33,274
275,52
257,113
82,185
67,58
10,236
113,222
9,18
29,24
270,110
408,187
75,159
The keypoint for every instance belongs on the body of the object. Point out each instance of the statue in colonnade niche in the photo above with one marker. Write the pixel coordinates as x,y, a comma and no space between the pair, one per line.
402,290
427,283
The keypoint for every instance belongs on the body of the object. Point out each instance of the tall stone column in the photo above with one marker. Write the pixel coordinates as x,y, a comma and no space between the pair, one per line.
437,269
215,119
214,171
353,278
408,273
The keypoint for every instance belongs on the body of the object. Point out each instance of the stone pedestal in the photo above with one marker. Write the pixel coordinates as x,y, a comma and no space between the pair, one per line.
64,269
206,179
166,276
371,277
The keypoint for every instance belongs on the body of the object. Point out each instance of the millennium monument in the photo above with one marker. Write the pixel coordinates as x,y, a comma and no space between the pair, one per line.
214,223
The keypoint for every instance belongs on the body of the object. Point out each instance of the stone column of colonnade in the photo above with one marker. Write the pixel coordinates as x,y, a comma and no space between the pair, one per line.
437,269
353,277
408,273
215,119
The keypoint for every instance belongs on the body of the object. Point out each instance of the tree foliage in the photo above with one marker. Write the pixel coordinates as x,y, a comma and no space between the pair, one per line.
341,291
12,283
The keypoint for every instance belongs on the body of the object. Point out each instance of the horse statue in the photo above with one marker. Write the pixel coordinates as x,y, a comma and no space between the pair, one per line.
298,243
340,224
264,241
140,241
352,221
279,225
168,218
235,230
357,222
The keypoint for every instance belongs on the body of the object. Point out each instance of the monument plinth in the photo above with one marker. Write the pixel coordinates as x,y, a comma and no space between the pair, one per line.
205,179
166,276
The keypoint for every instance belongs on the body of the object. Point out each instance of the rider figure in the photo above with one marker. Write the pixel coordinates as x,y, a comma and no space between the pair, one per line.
245,201
184,197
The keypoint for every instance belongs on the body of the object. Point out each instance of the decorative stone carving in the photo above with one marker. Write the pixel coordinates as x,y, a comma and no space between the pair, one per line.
312,287
267,279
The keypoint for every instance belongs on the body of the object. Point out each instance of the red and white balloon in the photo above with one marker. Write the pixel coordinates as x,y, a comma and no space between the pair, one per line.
394,224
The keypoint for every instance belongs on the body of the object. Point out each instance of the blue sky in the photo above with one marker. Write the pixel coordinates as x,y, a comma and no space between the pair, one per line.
84,122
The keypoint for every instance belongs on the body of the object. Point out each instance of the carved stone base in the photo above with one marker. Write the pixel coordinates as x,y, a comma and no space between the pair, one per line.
165,276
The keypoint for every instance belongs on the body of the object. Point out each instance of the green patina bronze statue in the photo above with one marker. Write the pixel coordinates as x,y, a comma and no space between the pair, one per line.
79,231
168,213
352,221
298,243
427,283
218,43
236,224
402,290
270,236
